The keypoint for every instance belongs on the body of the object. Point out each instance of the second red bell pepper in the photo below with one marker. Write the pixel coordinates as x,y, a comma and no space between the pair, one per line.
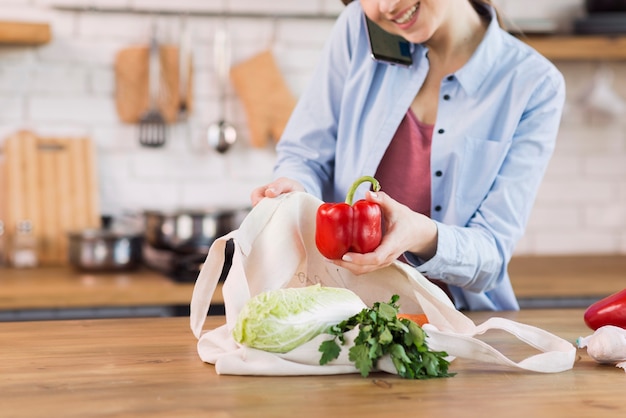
608,311
346,227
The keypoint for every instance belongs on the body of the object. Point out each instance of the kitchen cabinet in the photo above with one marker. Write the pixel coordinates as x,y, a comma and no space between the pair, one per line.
24,33
579,47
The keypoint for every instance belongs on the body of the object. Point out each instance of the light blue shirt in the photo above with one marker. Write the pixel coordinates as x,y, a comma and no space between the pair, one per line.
496,127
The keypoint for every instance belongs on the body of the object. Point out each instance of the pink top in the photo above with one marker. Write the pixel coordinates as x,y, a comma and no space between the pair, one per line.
404,171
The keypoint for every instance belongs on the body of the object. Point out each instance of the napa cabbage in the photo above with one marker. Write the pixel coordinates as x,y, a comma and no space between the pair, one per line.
281,320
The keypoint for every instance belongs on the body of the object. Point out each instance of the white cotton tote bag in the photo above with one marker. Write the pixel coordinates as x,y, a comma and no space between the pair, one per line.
275,248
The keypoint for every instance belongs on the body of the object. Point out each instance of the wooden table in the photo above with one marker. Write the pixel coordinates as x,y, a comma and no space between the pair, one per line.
150,368
57,291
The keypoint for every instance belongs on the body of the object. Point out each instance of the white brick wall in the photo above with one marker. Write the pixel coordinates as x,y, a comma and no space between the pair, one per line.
67,87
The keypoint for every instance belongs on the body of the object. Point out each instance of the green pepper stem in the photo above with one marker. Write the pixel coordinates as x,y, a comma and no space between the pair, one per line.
357,183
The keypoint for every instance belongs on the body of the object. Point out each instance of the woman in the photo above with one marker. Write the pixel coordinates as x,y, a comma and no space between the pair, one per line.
459,140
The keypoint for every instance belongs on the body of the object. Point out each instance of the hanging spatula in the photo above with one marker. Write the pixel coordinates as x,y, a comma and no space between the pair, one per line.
152,125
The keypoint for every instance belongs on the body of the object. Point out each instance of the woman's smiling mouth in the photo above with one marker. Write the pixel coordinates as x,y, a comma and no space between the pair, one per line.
408,15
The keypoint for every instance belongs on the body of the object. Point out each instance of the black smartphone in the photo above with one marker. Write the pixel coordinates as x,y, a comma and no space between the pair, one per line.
386,47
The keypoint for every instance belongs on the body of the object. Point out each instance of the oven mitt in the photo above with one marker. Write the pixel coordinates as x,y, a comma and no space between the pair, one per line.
274,248
131,83
266,99
607,345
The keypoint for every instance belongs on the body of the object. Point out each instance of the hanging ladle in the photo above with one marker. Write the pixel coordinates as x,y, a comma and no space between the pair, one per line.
221,135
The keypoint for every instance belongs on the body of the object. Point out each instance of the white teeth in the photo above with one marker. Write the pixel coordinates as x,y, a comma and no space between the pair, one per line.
408,15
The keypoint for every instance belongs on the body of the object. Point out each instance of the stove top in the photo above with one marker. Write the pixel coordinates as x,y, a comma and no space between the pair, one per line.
182,267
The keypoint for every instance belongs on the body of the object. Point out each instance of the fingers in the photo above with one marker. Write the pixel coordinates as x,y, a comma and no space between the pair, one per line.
284,185
396,237
356,265
366,263
262,192
386,203
257,194
274,189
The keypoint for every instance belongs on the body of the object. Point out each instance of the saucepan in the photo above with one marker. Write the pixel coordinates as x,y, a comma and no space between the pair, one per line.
189,231
105,249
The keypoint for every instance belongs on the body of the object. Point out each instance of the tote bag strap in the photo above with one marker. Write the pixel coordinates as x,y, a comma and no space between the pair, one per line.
451,331
212,269
556,355
205,286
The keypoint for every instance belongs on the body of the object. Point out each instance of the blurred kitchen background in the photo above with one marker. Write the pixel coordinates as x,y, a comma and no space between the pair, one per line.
75,85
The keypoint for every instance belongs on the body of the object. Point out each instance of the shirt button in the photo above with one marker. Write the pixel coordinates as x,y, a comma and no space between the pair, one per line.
440,131
446,97
438,173
437,208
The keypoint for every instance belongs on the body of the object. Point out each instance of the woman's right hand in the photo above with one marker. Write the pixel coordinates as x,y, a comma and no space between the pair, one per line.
274,189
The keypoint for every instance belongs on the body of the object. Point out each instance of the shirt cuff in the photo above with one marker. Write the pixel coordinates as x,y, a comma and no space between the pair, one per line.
434,267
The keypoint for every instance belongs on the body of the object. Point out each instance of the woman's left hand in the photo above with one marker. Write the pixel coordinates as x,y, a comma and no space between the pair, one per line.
405,230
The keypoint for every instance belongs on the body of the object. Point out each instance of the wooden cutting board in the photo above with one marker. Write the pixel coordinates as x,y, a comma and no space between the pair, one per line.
266,98
52,183
3,199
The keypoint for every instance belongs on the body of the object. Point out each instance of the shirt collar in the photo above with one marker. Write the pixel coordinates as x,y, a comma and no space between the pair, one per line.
474,72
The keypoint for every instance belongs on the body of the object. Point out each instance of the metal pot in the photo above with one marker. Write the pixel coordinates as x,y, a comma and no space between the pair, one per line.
190,231
105,250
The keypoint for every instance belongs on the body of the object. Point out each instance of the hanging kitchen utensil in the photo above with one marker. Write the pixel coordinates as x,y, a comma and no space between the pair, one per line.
221,135
184,72
152,126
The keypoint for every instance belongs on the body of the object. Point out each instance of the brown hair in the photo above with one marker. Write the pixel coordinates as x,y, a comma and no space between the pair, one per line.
477,5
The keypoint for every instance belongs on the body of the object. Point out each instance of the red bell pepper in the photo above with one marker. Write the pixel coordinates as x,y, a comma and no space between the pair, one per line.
346,227
608,311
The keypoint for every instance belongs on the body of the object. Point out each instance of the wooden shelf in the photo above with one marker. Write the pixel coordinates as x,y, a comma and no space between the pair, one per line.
208,12
579,47
24,33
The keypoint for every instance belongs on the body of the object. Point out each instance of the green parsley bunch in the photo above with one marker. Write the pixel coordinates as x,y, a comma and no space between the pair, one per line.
381,332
